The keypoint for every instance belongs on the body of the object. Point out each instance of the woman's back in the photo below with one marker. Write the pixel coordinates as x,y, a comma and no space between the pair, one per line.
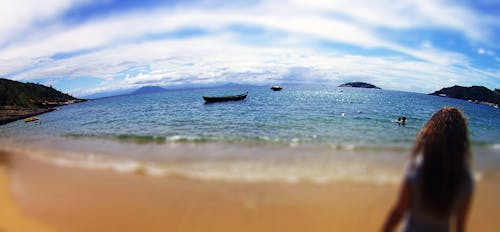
421,218
437,187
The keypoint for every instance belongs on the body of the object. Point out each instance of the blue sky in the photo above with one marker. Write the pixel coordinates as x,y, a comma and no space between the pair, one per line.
86,46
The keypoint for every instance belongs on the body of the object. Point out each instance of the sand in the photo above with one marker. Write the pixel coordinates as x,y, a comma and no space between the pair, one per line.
40,196
12,218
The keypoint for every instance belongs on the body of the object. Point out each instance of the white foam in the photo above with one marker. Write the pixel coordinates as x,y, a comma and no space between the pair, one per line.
496,146
285,169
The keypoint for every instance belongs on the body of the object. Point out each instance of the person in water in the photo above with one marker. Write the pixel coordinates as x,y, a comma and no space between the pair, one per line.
401,121
438,186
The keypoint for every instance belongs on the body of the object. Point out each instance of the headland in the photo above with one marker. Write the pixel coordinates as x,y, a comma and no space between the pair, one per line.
21,100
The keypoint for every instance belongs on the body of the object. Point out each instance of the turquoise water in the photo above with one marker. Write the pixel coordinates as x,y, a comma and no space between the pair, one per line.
304,133
296,115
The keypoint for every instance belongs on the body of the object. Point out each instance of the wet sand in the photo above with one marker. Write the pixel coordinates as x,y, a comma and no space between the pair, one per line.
40,196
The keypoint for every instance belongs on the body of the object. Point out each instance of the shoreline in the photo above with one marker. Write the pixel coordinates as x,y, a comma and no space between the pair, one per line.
233,162
103,200
217,161
10,114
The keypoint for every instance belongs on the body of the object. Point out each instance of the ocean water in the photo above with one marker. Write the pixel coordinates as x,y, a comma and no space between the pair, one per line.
302,132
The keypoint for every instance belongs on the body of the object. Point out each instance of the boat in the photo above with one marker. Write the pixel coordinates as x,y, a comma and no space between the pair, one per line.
276,88
32,119
225,98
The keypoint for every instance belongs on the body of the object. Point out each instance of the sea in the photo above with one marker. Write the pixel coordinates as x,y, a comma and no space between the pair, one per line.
304,133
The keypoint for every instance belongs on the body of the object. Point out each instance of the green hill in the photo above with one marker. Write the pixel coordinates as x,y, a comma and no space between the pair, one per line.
30,95
475,93
20,100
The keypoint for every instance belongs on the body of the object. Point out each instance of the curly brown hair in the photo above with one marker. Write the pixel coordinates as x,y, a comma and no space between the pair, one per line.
444,149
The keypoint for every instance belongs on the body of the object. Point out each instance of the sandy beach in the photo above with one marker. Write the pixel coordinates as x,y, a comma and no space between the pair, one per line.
40,196
149,116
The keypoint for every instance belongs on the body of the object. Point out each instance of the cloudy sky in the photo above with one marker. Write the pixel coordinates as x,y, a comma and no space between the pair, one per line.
86,46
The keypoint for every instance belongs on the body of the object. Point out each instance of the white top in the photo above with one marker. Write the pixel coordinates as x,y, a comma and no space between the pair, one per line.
418,218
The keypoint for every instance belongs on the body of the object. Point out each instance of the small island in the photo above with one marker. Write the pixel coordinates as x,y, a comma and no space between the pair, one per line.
476,94
22,100
359,85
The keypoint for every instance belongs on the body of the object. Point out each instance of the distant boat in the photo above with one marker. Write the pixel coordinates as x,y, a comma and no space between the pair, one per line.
276,88
225,98
31,119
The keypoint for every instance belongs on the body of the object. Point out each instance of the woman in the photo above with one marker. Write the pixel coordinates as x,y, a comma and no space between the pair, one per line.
437,189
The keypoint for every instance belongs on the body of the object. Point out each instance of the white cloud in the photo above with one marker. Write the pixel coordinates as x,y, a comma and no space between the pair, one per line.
220,55
123,28
20,15
220,58
482,51
426,44
406,14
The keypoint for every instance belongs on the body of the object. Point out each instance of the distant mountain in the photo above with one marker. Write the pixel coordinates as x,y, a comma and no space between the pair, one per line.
359,85
474,93
120,92
149,89
19,100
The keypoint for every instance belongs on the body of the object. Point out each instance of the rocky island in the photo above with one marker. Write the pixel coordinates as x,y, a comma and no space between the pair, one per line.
21,100
359,85
476,94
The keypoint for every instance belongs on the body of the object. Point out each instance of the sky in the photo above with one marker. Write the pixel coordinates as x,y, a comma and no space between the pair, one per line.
84,47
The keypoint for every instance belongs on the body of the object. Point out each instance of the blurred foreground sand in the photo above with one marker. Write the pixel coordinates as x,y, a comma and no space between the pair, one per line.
39,196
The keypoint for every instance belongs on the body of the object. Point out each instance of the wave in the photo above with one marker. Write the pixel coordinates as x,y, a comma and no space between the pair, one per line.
250,159
396,146
291,170
317,172
495,146
231,163
257,140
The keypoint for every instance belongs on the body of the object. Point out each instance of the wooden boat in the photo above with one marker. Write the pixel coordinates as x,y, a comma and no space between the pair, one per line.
276,88
32,119
225,98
